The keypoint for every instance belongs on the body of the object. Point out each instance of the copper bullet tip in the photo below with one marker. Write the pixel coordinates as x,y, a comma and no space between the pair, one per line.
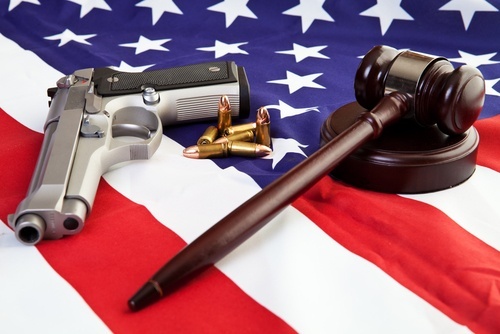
263,116
224,105
262,150
192,152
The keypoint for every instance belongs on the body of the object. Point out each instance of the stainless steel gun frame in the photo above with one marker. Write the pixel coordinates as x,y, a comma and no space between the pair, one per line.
98,118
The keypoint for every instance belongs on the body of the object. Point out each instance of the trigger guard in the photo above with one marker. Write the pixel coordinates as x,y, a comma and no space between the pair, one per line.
130,130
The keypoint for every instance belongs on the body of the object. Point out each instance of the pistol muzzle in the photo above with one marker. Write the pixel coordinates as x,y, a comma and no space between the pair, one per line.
31,225
30,229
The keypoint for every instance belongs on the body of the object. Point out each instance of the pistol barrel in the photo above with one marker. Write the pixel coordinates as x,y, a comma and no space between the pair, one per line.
46,212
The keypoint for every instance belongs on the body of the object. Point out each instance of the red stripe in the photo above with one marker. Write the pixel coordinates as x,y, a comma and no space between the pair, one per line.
121,246
417,245
489,147
19,150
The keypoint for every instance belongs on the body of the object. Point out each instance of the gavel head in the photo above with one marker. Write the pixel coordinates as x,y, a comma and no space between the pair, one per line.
438,93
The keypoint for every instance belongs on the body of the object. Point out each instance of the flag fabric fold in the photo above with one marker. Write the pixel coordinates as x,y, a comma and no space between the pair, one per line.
339,259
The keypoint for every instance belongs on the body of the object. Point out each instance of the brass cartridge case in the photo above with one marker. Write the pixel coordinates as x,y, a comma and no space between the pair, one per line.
209,136
239,128
222,150
207,151
247,136
246,149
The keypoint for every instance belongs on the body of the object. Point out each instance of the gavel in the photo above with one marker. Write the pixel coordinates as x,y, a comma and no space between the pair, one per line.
436,93
392,85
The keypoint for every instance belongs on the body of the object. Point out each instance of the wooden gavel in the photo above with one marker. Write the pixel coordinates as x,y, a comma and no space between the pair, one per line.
392,85
436,92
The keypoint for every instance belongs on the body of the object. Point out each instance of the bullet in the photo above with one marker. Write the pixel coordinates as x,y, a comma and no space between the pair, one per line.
207,151
239,128
239,136
220,150
224,114
246,149
209,136
263,127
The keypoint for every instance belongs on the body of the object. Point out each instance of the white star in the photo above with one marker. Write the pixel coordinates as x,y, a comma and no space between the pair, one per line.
222,49
282,147
475,60
288,111
124,67
158,7
296,82
88,5
14,3
145,44
468,8
301,52
309,10
67,36
489,87
233,9
387,11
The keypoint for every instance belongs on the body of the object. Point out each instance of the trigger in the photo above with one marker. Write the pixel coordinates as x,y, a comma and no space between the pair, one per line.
130,130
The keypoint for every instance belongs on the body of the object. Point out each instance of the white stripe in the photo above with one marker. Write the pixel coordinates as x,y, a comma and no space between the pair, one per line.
472,204
24,79
301,274
34,297
291,267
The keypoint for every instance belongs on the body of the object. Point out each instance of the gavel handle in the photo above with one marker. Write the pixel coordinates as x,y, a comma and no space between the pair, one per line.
252,215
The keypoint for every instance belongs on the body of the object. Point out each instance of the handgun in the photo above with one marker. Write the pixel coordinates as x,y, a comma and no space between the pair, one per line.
100,117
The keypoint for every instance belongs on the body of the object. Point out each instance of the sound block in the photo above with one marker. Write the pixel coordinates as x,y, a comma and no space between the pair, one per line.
406,159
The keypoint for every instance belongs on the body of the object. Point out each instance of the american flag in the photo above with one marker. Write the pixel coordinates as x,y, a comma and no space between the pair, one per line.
339,260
